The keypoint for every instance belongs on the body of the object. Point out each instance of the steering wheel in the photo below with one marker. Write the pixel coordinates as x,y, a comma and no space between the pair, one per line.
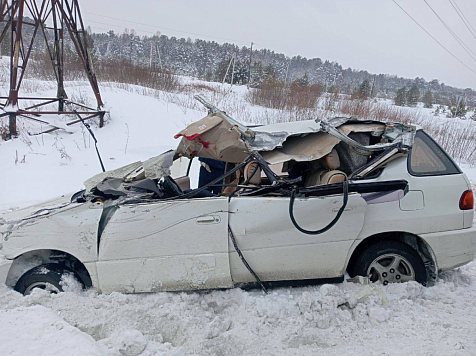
170,187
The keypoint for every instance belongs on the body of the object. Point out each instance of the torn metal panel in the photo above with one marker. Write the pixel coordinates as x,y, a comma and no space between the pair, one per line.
115,173
212,109
308,148
115,188
395,132
219,137
214,137
268,137
315,145
153,168
158,167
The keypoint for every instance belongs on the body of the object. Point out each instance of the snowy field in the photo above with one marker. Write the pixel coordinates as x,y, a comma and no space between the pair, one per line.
340,319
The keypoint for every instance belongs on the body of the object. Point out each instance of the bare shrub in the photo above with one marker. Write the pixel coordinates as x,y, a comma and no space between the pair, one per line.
276,94
359,108
123,71
368,110
194,87
271,94
303,97
456,138
4,132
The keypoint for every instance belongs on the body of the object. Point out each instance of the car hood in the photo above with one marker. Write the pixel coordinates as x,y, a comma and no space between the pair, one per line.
11,220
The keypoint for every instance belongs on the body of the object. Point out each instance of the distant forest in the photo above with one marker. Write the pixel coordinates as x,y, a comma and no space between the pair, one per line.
209,60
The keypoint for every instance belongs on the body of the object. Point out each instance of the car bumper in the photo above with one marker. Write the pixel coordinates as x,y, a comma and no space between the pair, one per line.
4,269
452,248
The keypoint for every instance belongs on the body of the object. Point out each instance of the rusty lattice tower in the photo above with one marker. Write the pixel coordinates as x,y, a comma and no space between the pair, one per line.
50,18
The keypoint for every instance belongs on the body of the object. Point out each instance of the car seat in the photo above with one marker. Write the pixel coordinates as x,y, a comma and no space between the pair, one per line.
329,174
244,174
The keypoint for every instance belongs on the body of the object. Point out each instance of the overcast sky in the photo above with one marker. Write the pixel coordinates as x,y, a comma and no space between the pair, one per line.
372,35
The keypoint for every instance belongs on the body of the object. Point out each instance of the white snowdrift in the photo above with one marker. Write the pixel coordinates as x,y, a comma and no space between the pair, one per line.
341,319
37,330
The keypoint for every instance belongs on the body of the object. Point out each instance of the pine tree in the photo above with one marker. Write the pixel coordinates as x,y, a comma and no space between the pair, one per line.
257,74
401,98
458,107
363,92
301,82
413,96
241,73
270,73
428,99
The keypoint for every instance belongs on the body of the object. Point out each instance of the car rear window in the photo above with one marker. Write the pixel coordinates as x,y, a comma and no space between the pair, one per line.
427,158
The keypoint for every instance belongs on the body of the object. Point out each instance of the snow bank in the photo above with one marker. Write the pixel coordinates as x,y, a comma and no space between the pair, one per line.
341,319
37,330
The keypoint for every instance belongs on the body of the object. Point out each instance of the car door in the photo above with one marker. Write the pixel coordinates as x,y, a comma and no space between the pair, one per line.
277,251
165,245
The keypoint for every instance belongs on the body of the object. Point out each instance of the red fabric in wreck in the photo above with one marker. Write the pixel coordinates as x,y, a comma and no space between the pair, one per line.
205,144
190,138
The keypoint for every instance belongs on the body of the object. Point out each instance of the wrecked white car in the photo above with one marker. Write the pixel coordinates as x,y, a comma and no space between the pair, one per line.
295,202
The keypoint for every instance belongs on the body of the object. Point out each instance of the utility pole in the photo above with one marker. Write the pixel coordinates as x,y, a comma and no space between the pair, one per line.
287,70
228,68
249,65
372,89
233,69
158,55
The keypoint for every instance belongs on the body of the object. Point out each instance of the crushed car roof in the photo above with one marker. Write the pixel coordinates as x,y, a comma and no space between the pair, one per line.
220,137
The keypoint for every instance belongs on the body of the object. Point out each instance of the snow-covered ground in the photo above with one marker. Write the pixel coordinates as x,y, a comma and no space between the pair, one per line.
341,319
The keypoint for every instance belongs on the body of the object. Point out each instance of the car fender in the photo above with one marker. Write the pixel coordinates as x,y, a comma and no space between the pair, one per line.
72,229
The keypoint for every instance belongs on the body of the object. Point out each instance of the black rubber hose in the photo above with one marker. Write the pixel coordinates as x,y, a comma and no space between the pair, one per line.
248,267
345,188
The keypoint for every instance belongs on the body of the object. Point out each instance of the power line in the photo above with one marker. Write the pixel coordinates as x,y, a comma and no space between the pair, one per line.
165,28
119,26
465,20
461,43
434,39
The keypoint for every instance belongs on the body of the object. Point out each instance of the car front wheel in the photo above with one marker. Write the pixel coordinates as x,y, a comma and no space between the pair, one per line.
47,277
391,262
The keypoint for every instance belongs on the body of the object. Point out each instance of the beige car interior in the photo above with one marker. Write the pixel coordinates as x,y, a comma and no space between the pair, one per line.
329,174
183,182
242,175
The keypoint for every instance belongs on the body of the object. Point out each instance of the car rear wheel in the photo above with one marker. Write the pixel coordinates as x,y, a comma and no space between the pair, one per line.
391,262
47,277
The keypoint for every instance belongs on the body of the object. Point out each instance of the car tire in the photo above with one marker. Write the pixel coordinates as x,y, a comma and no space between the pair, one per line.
391,262
47,276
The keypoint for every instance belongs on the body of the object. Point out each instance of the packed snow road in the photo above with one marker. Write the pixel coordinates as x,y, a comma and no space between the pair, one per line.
340,319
